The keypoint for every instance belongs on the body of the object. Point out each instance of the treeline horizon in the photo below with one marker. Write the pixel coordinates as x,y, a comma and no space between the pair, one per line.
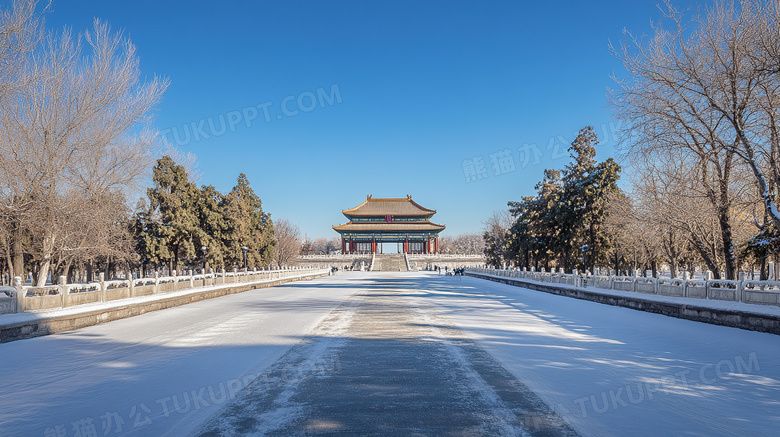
699,102
77,140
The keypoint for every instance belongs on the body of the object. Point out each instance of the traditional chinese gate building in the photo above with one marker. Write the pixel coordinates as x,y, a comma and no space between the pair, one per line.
395,220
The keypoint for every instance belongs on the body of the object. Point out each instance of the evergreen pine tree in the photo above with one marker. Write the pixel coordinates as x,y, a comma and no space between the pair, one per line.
246,225
174,221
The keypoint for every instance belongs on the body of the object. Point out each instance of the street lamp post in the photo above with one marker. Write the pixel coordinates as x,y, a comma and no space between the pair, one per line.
245,249
205,261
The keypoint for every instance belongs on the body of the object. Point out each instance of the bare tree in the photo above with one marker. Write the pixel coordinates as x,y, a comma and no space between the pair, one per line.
288,242
73,135
629,235
20,31
323,246
708,86
307,247
494,235
464,244
674,212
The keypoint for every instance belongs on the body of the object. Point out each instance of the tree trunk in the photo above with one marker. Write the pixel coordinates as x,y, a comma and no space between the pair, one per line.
592,235
704,253
9,259
724,220
764,267
109,271
18,254
71,273
48,249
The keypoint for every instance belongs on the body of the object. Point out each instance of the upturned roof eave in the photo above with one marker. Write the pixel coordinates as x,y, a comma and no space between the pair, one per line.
423,211
400,227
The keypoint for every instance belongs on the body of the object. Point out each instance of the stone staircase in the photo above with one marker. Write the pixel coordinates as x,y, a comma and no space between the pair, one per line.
390,263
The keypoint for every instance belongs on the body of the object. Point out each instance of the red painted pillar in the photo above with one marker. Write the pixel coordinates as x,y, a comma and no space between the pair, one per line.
436,245
343,246
373,245
406,245
351,246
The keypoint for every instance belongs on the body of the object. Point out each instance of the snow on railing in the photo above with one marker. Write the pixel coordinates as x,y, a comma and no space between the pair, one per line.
7,300
21,298
747,291
446,255
335,256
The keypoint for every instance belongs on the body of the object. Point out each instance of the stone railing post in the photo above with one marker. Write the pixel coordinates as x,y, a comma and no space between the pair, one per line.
175,280
222,273
102,279
235,275
156,283
19,294
192,279
63,290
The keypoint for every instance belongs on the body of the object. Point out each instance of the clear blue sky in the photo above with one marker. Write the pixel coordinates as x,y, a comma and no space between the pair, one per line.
424,87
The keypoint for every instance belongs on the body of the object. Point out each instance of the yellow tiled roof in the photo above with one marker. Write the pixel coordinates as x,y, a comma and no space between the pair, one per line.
390,206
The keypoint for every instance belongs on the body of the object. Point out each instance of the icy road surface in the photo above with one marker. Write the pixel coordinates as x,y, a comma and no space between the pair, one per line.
482,349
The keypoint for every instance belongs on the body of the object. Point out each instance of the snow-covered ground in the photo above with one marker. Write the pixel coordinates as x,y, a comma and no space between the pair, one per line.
607,370
159,373
616,371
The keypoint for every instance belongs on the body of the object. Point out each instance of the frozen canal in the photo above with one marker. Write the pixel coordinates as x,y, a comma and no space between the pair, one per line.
393,353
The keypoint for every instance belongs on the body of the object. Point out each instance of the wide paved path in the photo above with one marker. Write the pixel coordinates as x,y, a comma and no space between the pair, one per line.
386,364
